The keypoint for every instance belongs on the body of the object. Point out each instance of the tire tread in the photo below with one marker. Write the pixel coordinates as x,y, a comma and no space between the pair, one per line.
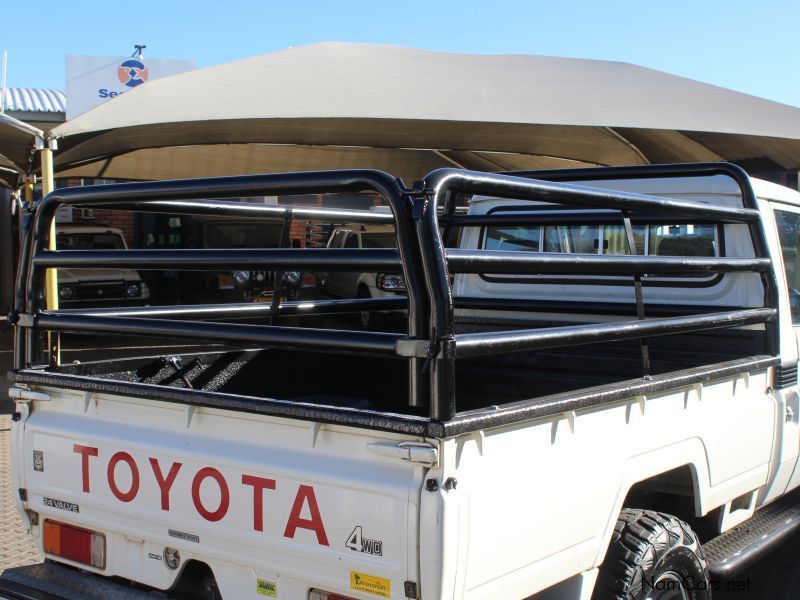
637,533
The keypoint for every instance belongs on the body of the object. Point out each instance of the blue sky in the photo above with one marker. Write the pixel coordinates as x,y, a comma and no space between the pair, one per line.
746,45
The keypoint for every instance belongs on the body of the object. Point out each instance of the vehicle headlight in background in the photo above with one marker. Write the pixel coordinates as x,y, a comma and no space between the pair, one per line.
133,290
292,278
391,283
241,277
66,293
145,290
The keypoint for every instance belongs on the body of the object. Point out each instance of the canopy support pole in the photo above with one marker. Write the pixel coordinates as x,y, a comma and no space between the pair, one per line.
51,285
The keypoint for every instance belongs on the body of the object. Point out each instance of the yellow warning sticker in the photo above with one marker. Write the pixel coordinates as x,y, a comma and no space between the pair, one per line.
369,583
267,588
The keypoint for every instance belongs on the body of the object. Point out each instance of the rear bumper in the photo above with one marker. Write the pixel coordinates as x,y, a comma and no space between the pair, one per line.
50,581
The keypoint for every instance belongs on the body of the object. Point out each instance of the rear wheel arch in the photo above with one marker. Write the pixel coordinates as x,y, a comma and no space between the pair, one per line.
676,491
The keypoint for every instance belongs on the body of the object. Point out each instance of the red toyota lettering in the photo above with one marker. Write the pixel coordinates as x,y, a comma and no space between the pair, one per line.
165,483
259,485
85,452
112,465
225,495
305,494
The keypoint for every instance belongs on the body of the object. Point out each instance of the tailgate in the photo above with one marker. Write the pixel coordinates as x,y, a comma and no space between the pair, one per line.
273,506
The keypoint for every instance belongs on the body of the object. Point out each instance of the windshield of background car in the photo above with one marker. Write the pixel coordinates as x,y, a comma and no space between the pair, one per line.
243,235
89,241
378,240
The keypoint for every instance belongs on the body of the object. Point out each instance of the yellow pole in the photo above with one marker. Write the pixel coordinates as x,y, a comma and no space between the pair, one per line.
47,187
51,281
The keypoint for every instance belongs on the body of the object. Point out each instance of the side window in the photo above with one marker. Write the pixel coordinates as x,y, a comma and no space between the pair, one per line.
524,239
336,240
352,241
683,240
789,235
679,239
615,239
580,239
655,240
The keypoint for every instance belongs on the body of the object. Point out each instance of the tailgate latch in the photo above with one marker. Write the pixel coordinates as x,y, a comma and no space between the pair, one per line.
416,452
20,394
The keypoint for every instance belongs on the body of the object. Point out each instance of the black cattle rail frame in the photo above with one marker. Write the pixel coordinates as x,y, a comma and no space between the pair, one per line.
430,344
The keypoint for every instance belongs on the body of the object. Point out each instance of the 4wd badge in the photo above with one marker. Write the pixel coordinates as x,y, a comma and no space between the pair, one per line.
357,542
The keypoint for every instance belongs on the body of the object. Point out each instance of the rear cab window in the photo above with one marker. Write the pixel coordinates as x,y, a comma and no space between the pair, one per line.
668,239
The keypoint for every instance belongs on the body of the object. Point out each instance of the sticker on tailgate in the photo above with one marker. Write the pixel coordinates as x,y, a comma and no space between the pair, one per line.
370,584
38,460
265,587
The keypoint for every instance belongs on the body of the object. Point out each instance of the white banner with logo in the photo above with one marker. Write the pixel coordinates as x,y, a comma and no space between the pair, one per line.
92,80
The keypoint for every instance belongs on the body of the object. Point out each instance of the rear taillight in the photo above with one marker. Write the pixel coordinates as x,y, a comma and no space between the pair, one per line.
75,543
320,595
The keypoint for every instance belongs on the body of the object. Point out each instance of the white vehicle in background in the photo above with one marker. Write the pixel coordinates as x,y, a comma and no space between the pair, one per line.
92,288
361,285
596,397
347,284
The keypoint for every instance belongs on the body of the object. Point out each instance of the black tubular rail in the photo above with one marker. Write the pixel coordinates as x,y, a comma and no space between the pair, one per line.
482,344
496,261
333,259
242,310
556,217
299,338
429,345
443,185
228,208
166,195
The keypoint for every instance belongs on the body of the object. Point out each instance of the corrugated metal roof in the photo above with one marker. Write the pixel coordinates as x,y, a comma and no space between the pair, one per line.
35,100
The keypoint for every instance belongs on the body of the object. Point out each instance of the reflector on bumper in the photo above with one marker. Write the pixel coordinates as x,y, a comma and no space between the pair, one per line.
75,543
320,595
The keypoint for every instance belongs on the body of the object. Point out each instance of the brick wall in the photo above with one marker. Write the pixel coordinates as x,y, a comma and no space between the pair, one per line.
298,229
101,218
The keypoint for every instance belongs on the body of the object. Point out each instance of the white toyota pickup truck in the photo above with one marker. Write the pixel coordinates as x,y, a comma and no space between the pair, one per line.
594,395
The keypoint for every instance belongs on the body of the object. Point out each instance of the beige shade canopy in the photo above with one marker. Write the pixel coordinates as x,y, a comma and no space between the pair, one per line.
406,111
17,142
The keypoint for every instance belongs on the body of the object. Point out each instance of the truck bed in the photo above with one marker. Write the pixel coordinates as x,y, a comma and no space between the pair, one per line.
377,384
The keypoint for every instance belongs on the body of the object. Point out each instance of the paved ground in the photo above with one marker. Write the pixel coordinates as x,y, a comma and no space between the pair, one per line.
16,546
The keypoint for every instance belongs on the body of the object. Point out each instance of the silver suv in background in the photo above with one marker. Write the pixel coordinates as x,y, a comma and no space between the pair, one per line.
97,287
